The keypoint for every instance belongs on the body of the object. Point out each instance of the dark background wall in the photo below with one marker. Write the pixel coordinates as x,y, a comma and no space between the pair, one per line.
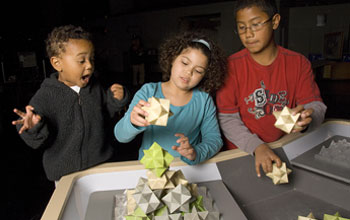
24,26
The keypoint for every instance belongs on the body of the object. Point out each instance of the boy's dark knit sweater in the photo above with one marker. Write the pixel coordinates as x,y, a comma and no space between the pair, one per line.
72,128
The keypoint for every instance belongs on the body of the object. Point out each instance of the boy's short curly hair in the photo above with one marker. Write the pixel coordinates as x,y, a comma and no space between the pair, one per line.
267,6
59,36
217,67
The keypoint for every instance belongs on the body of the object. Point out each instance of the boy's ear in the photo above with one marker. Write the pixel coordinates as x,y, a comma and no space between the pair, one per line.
56,63
276,21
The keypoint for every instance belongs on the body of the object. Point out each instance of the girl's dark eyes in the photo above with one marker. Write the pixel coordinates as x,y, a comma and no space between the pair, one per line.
84,60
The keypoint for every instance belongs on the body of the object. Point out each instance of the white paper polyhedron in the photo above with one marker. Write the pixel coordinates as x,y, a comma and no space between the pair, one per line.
279,175
186,206
131,203
120,209
163,182
177,197
176,216
148,202
179,178
195,215
193,189
158,111
285,120
205,215
146,199
141,184
158,192
119,213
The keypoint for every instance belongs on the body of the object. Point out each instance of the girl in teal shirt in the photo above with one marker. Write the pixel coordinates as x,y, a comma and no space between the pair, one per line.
194,67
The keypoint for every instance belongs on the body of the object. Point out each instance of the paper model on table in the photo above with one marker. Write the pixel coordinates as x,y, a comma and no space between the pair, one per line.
141,184
158,111
168,180
131,203
205,215
285,120
163,182
279,175
156,159
336,216
176,198
120,208
193,189
195,214
147,200
176,216
179,178
159,192
309,217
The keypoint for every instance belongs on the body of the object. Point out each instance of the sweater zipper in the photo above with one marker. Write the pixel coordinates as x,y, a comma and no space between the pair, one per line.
81,149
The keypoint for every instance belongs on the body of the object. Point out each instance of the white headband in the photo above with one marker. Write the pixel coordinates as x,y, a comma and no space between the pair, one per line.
202,42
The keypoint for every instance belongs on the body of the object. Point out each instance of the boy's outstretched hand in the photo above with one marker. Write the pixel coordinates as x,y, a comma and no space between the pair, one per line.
185,149
304,119
118,91
138,115
264,156
29,119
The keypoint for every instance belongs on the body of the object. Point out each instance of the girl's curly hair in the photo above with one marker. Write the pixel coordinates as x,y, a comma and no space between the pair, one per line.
216,69
59,36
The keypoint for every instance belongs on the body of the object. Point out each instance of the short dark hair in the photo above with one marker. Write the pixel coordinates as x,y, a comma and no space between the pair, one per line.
55,42
267,6
173,46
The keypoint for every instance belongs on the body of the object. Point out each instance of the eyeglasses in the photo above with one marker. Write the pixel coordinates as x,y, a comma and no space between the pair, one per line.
242,29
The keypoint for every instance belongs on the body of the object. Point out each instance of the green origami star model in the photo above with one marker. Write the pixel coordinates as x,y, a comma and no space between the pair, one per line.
336,216
156,159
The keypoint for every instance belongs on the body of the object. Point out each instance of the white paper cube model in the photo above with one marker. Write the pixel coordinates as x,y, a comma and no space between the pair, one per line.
158,111
285,120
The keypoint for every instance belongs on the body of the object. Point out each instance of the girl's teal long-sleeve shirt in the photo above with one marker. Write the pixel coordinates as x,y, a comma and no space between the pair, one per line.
197,120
